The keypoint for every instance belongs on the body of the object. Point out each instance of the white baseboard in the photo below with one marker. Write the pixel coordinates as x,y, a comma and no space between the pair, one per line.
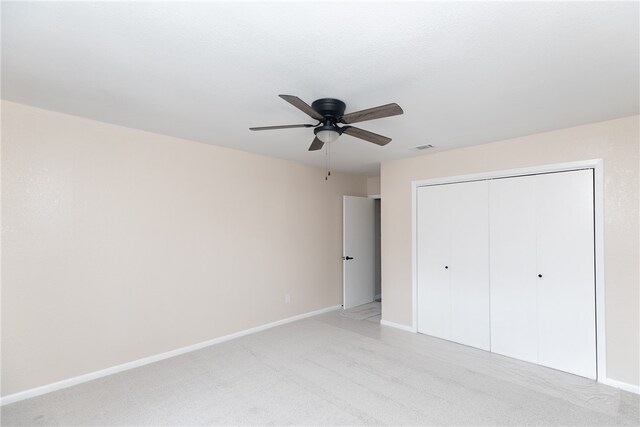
397,326
622,386
37,391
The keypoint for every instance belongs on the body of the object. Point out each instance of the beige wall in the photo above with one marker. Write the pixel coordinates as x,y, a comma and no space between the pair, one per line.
373,186
120,244
614,141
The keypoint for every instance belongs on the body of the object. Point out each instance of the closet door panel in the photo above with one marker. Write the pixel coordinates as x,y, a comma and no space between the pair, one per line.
433,247
513,271
566,290
469,264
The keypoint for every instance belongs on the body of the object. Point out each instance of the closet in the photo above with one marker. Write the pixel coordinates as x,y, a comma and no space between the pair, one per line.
507,265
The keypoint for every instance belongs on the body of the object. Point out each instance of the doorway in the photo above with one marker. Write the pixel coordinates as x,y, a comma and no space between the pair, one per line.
362,257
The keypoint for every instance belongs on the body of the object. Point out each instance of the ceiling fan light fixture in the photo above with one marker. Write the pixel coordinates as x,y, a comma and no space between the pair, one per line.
328,136
327,133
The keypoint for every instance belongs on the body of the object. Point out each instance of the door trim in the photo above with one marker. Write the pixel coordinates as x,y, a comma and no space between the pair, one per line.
598,198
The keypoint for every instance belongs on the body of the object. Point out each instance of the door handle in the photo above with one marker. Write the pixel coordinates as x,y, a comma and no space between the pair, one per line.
347,258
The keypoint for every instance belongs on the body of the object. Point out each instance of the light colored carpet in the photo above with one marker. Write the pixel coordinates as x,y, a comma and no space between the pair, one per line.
363,312
333,370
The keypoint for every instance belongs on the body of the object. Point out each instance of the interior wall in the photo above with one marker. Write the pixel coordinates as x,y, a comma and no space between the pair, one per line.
615,141
120,244
373,186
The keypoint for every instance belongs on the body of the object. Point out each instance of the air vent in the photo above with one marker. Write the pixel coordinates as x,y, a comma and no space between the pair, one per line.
423,147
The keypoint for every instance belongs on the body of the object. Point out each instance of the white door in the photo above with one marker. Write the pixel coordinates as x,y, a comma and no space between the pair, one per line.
358,251
566,288
469,265
453,262
542,270
434,247
514,293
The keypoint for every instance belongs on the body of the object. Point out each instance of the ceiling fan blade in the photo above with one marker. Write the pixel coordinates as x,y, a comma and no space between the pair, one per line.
302,106
281,127
366,135
372,113
316,144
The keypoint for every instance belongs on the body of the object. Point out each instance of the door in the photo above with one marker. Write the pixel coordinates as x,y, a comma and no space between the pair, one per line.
433,249
469,265
514,292
453,262
566,278
542,270
358,251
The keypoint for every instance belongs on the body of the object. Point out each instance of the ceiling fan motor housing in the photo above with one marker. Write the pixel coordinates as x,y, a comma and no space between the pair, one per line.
332,109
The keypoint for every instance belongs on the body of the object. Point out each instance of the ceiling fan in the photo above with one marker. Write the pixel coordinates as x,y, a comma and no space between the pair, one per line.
329,112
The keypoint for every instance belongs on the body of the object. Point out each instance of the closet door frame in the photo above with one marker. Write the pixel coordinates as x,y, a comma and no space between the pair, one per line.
598,197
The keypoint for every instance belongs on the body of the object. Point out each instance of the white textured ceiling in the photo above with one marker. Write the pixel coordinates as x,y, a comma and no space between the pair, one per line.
464,73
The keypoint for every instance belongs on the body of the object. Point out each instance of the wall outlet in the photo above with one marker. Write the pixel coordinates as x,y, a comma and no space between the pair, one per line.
287,298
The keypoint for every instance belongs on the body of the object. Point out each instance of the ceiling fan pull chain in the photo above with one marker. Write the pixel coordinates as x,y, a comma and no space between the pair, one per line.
326,163
329,160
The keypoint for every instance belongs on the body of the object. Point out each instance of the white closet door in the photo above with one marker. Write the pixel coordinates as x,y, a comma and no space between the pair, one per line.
469,264
433,247
514,328
566,290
